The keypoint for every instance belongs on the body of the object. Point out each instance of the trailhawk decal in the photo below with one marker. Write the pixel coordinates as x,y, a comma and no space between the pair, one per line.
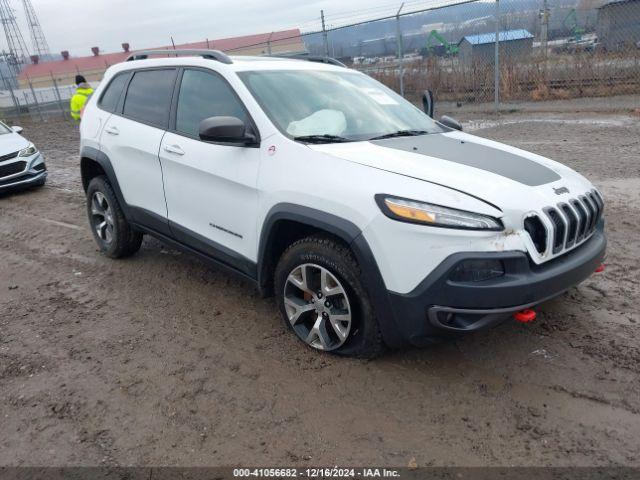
475,155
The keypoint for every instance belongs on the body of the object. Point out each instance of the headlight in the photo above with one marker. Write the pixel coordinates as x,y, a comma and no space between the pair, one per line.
435,215
27,152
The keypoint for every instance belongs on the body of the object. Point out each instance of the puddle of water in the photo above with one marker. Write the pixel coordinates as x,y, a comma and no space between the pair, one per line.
605,122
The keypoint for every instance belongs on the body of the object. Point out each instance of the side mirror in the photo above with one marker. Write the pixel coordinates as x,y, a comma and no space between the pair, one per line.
226,130
16,129
427,102
451,123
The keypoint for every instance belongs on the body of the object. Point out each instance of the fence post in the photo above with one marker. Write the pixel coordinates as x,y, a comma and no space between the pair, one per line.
400,49
26,103
35,100
325,40
497,59
544,39
544,29
58,96
269,44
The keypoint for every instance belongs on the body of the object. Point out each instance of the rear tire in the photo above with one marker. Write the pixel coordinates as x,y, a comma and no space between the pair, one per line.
111,231
321,298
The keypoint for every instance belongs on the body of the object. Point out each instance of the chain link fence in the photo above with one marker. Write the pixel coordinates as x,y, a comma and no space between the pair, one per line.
501,51
35,104
473,51
494,50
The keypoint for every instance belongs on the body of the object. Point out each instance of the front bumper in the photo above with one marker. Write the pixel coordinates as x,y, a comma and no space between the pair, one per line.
441,307
34,172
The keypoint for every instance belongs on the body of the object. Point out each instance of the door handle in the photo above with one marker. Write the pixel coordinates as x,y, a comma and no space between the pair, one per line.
112,130
175,149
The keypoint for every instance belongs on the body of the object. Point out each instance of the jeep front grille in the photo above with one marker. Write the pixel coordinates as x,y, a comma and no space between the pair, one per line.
535,228
12,168
570,223
559,229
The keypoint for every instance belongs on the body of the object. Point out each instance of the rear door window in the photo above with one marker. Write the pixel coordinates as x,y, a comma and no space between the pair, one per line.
110,97
204,95
148,97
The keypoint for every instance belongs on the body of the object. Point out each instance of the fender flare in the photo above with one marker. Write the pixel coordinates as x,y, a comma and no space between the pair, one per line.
103,160
353,237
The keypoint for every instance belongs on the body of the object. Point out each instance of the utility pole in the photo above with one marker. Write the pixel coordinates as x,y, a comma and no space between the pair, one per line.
400,49
38,40
544,28
325,40
497,60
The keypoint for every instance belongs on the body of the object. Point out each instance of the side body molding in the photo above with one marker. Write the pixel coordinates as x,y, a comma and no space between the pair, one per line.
352,236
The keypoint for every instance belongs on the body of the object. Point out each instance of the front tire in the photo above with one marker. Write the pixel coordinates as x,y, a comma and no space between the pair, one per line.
322,299
111,231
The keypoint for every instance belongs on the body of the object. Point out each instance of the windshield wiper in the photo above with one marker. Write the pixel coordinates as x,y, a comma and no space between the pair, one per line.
324,138
401,133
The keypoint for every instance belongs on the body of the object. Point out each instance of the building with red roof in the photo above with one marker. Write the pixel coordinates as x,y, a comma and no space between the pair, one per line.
41,74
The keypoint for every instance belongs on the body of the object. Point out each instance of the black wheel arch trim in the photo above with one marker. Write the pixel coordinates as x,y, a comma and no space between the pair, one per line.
353,237
105,163
134,215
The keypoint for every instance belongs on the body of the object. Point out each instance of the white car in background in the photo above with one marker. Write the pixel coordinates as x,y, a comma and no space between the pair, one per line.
21,164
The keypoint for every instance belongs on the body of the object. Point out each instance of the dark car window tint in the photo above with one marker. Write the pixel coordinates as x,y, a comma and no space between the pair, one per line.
204,95
111,95
149,96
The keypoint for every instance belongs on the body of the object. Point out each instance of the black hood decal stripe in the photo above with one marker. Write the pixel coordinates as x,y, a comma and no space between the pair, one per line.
505,164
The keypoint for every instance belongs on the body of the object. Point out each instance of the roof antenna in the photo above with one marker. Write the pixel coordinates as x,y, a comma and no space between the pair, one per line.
174,44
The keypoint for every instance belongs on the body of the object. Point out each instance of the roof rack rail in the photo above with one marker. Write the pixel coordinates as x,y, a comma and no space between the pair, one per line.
314,58
209,54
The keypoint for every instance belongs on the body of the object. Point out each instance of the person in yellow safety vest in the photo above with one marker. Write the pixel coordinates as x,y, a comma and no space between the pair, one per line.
83,92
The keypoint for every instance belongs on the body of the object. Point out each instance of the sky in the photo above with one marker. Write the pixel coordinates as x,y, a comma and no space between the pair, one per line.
78,25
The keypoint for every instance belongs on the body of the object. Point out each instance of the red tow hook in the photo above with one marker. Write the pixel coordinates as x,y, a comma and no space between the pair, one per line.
600,268
525,316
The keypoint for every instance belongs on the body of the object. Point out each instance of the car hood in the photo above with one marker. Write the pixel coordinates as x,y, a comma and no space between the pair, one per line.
494,172
12,142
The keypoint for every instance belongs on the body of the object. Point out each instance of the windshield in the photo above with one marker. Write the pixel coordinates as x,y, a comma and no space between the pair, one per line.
4,129
339,106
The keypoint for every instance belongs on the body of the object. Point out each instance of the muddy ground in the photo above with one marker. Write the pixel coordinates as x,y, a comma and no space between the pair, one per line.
159,360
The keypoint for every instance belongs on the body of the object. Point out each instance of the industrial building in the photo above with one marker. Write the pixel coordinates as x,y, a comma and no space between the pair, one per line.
42,74
618,25
480,49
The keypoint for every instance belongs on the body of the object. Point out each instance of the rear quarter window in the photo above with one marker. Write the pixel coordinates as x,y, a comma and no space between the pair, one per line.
148,98
111,95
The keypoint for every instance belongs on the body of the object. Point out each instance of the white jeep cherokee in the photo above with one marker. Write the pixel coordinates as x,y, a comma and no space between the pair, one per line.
371,223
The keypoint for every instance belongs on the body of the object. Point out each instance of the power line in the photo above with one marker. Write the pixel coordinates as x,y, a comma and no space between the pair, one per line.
348,18
412,5
367,11
359,23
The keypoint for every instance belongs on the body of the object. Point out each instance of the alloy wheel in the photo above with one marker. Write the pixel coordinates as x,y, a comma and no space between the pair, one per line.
317,307
102,217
